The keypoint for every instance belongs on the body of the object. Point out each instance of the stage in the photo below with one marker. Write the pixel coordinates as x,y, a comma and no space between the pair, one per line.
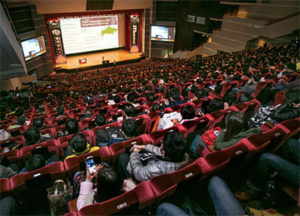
94,60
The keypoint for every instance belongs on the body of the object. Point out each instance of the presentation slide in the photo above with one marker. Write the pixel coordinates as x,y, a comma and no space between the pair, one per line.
85,34
162,33
33,47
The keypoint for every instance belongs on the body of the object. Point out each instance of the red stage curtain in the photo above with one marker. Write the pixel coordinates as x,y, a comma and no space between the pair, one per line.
140,33
127,31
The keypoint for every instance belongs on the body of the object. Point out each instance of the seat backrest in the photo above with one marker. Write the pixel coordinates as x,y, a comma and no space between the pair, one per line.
124,202
5,188
259,87
186,173
214,161
43,148
31,186
258,142
77,163
163,186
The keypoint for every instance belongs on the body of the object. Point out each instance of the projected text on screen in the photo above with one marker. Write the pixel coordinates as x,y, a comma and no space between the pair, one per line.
85,34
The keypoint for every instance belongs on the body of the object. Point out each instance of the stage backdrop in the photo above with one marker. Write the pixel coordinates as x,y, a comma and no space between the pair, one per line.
94,31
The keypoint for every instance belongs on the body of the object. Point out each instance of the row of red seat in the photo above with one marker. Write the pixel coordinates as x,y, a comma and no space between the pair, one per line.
161,186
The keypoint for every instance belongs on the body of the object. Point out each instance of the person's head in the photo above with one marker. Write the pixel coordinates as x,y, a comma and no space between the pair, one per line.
109,184
38,123
73,105
155,107
21,120
174,147
32,136
116,99
132,96
129,128
78,143
235,123
88,113
188,112
129,110
293,95
35,162
100,120
72,126
60,110
215,105
230,97
256,77
174,94
20,111
151,97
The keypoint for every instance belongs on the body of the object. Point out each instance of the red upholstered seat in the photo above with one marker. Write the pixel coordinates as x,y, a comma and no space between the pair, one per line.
5,188
48,146
163,186
137,198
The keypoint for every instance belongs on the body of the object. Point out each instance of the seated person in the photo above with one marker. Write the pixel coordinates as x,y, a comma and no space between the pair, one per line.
34,162
174,97
214,105
79,145
286,166
33,136
236,128
39,123
109,185
169,120
131,97
19,123
217,189
249,88
129,111
98,121
71,127
107,137
272,115
4,135
88,113
188,114
167,158
60,112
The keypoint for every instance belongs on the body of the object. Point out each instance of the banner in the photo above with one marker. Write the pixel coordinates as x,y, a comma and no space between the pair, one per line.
134,33
56,38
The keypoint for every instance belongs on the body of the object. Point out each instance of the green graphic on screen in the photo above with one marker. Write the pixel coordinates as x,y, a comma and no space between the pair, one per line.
108,30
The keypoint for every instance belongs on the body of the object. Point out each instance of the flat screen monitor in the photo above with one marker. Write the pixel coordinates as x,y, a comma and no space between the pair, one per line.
162,33
33,47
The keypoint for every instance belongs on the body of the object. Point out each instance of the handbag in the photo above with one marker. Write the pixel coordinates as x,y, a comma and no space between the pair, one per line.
58,196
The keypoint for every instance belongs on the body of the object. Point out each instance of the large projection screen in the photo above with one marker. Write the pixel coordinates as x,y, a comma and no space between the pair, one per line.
86,34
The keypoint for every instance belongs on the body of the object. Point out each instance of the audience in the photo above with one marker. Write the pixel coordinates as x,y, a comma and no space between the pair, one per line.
160,86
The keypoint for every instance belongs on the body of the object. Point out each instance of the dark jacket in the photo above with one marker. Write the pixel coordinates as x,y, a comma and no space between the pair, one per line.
220,144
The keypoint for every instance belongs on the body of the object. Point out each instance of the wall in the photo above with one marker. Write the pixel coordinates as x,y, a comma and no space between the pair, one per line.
13,83
66,6
42,64
12,61
282,28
